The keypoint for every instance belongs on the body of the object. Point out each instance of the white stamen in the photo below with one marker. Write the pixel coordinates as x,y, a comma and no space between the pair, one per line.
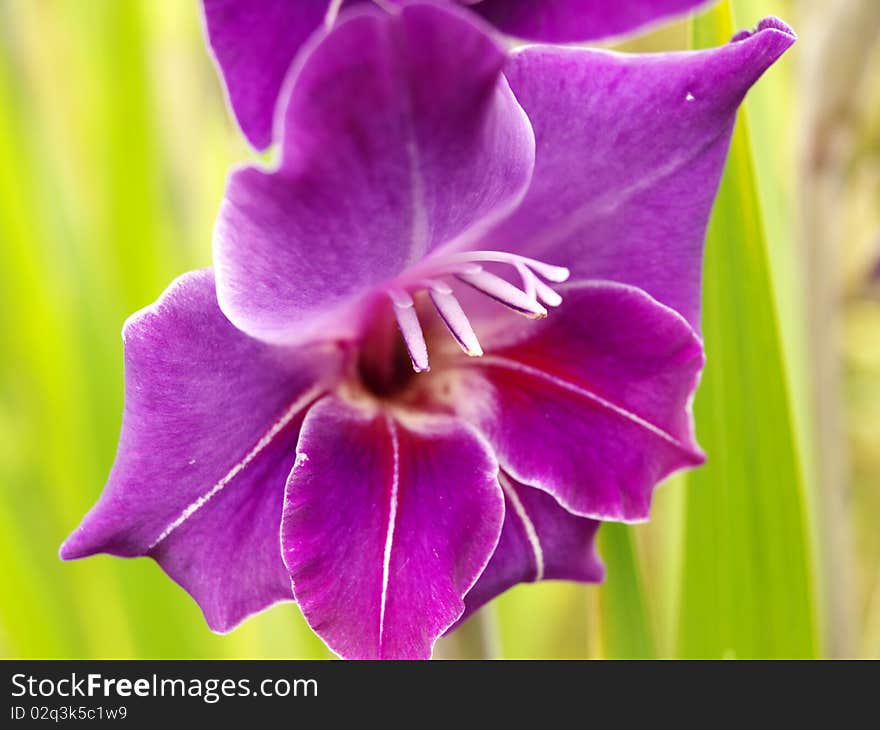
401,298
456,320
467,267
438,286
503,292
535,288
547,295
408,321
556,274
529,280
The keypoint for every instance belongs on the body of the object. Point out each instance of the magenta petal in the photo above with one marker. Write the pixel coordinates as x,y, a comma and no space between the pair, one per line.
562,21
254,43
400,135
629,156
387,525
592,404
208,439
540,540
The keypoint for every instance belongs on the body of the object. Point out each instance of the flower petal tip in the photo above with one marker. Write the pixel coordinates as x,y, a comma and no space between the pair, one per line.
77,546
221,628
692,455
68,551
698,456
771,25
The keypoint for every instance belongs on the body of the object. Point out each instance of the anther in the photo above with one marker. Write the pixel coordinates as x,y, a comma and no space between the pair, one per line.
456,320
408,321
503,292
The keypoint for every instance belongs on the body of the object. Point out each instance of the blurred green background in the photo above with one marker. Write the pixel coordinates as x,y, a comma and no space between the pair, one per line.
114,145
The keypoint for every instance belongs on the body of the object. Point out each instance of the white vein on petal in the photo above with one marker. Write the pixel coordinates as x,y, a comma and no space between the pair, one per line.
602,206
528,525
392,519
289,414
519,367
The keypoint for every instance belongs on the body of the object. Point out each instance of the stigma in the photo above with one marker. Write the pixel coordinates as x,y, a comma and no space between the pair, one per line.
530,299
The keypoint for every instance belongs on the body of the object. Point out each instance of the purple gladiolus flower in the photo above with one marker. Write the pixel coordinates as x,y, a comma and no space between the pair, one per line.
255,41
343,413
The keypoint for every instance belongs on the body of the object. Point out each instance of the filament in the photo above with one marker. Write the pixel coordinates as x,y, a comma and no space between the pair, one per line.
468,267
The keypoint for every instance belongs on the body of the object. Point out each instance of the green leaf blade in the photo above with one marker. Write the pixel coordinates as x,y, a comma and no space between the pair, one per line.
747,581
